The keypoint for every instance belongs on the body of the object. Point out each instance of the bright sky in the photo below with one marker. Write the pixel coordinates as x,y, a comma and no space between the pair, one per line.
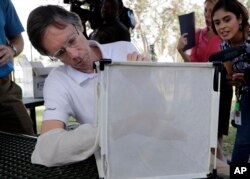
23,9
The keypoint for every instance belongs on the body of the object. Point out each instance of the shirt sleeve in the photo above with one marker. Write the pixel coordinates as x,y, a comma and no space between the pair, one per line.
13,24
57,104
118,51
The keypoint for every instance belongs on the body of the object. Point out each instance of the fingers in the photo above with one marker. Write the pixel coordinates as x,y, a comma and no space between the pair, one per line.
182,42
238,78
135,56
184,35
5,54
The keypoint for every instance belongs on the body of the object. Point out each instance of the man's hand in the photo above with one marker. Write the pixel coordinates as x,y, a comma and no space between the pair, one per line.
135,56
6,54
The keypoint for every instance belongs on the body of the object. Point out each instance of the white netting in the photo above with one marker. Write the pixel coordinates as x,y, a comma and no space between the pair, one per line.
158,120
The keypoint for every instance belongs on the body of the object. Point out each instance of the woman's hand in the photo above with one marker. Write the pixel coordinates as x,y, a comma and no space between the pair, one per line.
182,42
238,79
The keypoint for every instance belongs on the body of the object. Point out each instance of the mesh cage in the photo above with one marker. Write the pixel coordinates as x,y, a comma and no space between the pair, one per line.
157,119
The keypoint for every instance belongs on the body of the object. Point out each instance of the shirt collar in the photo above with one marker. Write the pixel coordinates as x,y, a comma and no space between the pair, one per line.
78,76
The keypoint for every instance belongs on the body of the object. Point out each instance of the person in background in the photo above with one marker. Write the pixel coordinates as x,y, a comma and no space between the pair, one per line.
14,117
112,29
230,22
69,89
206,44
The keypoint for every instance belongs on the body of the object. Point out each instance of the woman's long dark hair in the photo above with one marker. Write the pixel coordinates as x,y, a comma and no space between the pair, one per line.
235,7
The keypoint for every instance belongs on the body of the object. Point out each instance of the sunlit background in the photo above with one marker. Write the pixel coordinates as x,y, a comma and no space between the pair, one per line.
156,23
142,35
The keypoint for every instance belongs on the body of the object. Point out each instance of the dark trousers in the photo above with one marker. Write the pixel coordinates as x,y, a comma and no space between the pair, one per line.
241,151
14,117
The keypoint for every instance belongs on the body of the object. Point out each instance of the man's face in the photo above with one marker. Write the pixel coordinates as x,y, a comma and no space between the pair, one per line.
69,46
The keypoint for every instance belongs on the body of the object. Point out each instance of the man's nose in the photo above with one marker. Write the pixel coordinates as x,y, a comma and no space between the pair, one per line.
72,52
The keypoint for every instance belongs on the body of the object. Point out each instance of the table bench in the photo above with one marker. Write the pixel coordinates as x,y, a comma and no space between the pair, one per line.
15,154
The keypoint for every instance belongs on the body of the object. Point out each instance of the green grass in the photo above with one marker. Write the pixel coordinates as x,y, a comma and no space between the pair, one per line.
39,112
229,141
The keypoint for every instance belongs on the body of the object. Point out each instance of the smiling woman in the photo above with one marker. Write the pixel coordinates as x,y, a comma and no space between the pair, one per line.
230,22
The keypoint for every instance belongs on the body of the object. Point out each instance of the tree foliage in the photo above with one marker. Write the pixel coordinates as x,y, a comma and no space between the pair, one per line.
157,23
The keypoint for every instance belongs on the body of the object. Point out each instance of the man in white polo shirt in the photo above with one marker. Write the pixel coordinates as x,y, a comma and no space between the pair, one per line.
69,89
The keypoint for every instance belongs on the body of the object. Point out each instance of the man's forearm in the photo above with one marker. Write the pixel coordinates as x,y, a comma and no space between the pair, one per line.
18,44
59,147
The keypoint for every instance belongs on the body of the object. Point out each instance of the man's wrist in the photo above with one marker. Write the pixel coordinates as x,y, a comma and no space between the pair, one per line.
13,49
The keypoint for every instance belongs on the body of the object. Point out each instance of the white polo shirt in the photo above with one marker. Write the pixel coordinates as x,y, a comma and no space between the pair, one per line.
69,92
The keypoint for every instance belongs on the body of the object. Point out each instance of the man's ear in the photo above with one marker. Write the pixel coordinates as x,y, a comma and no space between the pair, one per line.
81,28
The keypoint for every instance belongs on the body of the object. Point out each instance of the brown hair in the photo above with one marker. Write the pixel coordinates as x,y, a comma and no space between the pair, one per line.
42,17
